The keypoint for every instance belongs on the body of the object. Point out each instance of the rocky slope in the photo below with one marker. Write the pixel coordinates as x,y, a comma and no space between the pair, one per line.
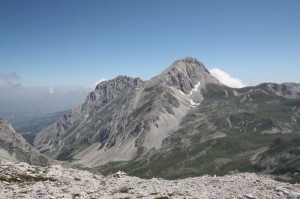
182,120
24,181
125,114
13,147
287,90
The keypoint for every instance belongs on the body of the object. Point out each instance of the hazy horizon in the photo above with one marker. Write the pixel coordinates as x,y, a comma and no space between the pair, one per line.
23,103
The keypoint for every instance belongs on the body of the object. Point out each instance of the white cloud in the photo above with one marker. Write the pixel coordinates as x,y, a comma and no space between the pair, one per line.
51,90
100,80
91,87
226,79
9,80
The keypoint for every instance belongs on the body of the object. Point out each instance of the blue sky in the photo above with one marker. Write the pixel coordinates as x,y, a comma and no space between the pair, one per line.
71,42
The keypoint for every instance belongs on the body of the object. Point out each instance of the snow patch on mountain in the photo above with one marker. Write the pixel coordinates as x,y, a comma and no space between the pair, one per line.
195,89
193,104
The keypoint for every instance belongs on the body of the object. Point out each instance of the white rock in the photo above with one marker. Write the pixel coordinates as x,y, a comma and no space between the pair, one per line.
72,183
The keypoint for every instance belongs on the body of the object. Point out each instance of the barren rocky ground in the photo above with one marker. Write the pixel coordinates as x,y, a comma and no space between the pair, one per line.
21,180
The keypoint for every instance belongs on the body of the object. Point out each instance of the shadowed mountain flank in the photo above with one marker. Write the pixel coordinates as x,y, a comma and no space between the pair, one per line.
13,147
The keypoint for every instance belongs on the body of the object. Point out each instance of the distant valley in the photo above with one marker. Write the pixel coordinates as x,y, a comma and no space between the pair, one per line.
22,104
30,127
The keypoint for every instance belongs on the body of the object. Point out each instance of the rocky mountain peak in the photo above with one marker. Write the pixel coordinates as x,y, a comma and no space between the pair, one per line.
189,60
118,82
186,64
107,90
185,74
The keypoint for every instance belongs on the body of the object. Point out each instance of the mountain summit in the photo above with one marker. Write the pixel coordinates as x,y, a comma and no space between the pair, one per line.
183,119
124,115
184,74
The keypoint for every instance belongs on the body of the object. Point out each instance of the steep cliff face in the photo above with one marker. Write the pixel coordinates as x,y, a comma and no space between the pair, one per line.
80,128
13,147
182,119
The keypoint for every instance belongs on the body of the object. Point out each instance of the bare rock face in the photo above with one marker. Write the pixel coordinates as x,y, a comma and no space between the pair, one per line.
13,147
107,91
104,93
24,181
184,74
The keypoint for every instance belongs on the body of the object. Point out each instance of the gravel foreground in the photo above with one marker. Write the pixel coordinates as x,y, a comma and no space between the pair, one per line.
21,180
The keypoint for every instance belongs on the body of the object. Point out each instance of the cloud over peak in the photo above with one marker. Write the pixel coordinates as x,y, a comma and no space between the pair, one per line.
92,86
226,79
100,80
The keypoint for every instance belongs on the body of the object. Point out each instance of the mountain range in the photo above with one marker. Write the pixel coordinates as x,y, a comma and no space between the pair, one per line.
181,123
